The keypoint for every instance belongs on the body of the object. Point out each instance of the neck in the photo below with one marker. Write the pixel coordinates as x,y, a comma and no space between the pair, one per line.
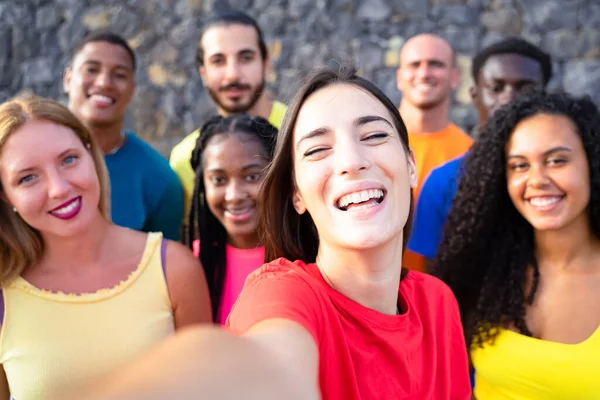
79,250
262,108
109,138
568,248
420,120
369,277
244,242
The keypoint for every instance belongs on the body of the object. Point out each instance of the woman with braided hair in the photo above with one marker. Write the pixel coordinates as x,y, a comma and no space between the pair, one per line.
521,250
229,159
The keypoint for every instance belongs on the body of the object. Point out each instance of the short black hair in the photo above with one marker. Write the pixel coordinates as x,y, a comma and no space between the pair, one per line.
229,17
104,36
513,45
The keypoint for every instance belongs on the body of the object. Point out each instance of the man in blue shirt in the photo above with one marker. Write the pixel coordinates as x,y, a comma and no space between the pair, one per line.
146,194
501,72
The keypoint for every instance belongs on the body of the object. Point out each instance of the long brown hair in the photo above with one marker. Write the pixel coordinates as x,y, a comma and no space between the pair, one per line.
286,233
21,246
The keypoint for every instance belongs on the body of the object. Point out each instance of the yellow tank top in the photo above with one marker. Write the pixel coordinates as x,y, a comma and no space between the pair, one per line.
52,341
519,367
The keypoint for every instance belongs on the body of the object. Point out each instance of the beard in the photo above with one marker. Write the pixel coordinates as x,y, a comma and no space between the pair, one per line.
238,106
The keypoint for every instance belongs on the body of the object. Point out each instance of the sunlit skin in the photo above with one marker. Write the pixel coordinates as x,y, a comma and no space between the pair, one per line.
547,172
234,71
233,174
345,142
426,74
100,84
502,78
41,172
549,184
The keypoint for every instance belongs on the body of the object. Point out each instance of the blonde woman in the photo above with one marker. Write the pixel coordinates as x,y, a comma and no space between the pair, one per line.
80,295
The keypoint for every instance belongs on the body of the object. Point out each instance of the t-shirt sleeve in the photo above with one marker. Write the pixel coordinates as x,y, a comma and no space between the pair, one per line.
275,293
429,220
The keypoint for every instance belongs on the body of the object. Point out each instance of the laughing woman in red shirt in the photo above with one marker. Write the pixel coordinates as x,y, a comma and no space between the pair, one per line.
334,316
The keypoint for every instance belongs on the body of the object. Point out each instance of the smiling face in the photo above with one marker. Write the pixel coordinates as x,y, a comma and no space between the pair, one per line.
426,74
547,172
233,69
49,176
233,175
352,172
100,84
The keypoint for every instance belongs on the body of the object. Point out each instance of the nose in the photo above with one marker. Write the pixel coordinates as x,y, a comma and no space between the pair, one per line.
232,71
103,79
58,186
235,191
508,94
423,71
537,177
350,158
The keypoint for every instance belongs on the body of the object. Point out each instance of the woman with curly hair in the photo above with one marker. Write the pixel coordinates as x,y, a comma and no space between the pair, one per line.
521,250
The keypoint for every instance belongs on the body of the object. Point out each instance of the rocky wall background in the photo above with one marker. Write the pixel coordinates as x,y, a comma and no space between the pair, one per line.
36,37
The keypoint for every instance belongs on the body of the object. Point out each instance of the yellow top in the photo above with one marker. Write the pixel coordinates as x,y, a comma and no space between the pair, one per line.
52,341
182,153
519,367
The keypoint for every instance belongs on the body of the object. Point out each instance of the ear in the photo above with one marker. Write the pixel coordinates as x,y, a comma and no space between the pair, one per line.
474,94
202,72
398,79
413,177
67,79
455,78
298,202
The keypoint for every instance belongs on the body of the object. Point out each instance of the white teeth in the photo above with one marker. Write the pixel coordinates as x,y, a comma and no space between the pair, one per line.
360,197
67,209
238,212
543,201
102,99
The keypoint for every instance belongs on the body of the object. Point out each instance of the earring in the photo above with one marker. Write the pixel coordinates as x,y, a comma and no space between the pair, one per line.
15,210
89,146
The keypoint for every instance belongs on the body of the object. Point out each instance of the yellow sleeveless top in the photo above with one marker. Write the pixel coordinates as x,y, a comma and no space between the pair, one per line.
519,367
52,341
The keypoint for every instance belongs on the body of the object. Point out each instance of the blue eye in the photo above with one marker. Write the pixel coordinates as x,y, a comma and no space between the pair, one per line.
70,159
26,179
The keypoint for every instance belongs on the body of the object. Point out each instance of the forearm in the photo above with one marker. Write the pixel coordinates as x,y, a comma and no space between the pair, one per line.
204,363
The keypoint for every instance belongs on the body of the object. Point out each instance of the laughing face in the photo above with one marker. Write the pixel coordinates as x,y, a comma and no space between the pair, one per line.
352,173
427,74
100,84
547,172
49,176
233,175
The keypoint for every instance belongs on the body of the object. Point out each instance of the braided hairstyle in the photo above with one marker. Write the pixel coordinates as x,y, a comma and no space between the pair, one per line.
202,224
488,246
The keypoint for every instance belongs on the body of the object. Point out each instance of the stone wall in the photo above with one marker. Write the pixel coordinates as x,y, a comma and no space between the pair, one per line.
37,35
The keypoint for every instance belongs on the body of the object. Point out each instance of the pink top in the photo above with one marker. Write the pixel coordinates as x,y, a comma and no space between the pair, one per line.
240,263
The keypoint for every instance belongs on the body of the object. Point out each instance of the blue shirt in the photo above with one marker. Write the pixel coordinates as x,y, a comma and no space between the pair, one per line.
433,207
145,193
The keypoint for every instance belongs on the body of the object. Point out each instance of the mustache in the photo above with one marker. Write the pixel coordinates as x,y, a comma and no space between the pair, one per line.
234,85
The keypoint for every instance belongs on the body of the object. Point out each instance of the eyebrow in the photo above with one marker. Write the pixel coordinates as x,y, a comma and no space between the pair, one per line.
62,154
546,153
240,52
360,121
243,169
96,62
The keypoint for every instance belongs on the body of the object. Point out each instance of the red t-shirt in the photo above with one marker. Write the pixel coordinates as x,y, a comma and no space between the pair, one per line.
364,354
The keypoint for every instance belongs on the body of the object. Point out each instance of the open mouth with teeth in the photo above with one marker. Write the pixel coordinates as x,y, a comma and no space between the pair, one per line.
361,199
101,99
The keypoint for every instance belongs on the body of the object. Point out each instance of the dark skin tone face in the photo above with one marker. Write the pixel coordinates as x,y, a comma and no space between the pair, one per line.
502,78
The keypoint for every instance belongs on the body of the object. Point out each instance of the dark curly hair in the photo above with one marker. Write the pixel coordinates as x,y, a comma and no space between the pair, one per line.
487,246
202,223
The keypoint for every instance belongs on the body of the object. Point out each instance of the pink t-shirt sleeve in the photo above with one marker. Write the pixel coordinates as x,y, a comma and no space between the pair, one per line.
196,247
277,291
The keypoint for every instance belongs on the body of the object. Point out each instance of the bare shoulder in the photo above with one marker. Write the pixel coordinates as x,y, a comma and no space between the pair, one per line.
179,256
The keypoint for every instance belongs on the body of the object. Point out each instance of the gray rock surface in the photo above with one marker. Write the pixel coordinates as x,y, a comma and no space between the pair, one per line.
36,37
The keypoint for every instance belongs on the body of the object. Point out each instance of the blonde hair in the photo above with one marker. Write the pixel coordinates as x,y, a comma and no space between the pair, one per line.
21,246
